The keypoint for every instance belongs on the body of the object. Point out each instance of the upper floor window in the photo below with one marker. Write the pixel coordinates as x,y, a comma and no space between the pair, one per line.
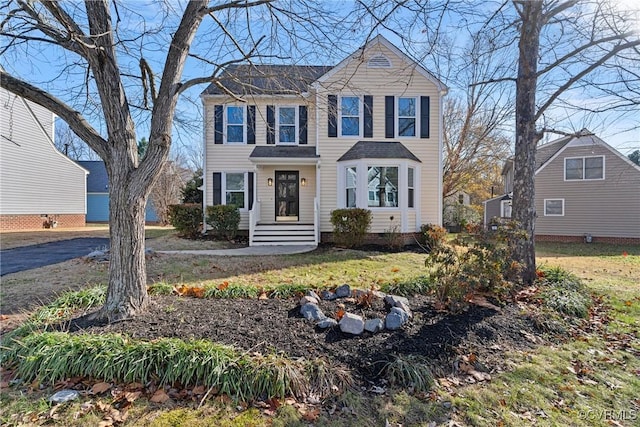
350,110
584,168
287,125
235,125
407,113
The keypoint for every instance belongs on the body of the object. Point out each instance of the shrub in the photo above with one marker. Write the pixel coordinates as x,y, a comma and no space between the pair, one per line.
392,236
350,226
482,264
186,219
224,220
432,236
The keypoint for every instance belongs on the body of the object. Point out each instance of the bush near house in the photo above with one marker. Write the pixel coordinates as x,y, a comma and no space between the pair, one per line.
350,226
224,220
186,219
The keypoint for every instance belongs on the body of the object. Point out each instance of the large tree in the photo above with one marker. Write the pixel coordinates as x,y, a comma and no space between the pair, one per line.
114,47
563,46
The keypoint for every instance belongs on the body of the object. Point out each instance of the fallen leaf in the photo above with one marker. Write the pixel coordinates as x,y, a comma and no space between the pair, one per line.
311,415
131,396
395,269
224,285
100,388
199,389
160,397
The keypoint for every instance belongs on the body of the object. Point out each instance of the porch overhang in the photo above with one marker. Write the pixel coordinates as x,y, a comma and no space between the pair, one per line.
284,155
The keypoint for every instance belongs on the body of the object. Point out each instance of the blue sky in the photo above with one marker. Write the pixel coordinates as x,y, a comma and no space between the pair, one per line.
622,133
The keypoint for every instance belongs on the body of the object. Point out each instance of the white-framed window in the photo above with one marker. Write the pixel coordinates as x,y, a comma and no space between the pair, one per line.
505,209
235,124
584,168
287,125
351,186
235,189
410,187
553,207
383,182
350,116
407,116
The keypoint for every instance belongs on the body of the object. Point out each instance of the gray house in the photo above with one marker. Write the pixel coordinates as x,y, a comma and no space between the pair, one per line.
39,186
585,190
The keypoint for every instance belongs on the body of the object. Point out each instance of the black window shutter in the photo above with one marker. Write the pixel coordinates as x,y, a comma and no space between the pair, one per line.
389,117
271,124
368,116
251,124
217,124
424,117
217,188
302,122
332,125
250,189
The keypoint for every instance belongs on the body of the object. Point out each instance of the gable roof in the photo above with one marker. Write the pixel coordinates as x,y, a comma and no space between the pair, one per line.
97,180
380,40
545,152
250,79
378,150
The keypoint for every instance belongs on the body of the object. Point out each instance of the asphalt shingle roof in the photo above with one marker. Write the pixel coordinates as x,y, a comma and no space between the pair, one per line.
545,152
281,151
267,79
378,150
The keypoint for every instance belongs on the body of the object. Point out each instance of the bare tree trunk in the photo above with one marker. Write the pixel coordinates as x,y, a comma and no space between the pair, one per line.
524,209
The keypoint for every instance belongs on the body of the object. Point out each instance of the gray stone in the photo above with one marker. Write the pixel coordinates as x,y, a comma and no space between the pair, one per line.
326,323
393,300
393,321
64,396
374,325
379,294
97,255
312,294
312,312
404,307
351,324
403,314
328,295
308,300
343,291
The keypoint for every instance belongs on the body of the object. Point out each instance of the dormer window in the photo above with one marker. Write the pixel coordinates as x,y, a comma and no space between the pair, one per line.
379,61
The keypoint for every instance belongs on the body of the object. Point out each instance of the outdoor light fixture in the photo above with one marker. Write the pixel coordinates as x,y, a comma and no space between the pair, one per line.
303,181
270,182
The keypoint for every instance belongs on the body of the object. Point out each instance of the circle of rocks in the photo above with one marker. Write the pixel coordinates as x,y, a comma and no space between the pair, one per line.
399,311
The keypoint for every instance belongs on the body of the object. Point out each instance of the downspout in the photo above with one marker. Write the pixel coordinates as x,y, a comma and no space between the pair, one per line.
205,175
443,93
318,186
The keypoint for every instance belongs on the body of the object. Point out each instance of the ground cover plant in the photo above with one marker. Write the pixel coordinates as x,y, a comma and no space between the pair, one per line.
534,358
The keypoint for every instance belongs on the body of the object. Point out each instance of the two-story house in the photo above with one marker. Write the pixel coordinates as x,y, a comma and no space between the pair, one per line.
585,191
289,144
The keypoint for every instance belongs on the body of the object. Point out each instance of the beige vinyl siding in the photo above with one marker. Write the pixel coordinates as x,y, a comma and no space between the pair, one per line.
400,80
606,208
34,177
235,157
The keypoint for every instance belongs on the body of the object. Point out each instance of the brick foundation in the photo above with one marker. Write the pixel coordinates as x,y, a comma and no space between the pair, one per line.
36,222
581,239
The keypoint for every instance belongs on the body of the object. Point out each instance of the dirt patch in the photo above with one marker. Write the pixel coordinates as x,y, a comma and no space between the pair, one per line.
275,325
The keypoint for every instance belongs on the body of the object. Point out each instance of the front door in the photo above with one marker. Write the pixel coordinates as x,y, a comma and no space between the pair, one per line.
287,195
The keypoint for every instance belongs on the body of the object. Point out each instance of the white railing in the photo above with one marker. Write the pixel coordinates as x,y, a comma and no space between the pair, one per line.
254,218
316,220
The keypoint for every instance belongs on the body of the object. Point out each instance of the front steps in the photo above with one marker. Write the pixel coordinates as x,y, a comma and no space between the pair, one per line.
280,234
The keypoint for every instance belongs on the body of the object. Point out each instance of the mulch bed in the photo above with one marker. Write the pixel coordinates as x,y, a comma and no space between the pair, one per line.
275,325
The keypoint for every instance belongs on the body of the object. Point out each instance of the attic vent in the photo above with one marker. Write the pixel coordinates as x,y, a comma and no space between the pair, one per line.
379,61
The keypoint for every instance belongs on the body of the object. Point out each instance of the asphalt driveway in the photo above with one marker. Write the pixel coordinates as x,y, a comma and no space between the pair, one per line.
35,256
